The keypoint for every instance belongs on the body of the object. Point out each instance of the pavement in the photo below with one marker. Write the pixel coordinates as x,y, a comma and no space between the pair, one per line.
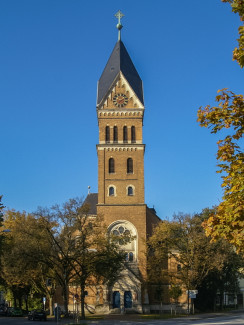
138,317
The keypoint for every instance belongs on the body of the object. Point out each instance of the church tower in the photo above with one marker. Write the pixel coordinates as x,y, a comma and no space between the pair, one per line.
120,110
120,151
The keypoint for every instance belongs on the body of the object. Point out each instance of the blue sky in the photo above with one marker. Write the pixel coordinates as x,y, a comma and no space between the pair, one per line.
52,55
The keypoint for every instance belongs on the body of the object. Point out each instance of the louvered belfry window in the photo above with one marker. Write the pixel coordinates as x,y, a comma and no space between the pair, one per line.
115,134
133,134
125,134
107,134
129,165
111,168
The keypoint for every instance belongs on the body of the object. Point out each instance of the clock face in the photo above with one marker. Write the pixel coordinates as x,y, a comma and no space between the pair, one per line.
120,100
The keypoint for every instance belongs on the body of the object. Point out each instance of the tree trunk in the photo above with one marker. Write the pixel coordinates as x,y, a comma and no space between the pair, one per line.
82,301
20,300
50,298
65,296
15,298
188,301
26,302
221,300
214,303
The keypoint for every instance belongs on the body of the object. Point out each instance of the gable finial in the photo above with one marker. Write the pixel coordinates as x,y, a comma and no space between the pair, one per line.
119,26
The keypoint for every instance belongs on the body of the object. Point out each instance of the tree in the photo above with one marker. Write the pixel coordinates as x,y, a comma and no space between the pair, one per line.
157,268
1,222
175,292
238,53
1,236
228,219
58,247
191,254
22,271
81,250
218,282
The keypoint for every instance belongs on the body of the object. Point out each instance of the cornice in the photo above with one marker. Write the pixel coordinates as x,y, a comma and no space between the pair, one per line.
110,113
122,147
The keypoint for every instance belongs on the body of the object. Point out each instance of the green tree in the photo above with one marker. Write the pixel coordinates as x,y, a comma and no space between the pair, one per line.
191,254
218,282
175,292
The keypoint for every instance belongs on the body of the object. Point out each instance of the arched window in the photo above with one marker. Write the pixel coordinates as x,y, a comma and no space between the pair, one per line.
111,165
129,165
111,191
130,190
125,134
115,134
133,134
130,257
107,134
126,235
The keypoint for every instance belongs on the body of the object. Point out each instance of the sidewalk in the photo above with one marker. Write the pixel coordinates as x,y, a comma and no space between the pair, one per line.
117,318
216,314
137,317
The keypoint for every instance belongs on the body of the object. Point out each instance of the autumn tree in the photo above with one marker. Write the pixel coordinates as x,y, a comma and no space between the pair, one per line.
238,53
1,222
59,246
157,268
35,260
59,234
227,118
1,236
82,252
191,255
21,270
228,219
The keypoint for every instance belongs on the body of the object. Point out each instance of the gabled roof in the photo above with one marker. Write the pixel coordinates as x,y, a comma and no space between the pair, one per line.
91,200
119,61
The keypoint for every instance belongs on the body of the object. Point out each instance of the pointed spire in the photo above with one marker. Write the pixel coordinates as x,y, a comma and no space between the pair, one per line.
119,61
119,26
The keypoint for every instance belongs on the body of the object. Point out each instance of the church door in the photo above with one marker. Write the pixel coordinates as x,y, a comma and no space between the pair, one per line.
128,299
116,299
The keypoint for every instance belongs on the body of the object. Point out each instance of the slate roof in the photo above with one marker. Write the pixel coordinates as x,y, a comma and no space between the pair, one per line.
92,200
119,61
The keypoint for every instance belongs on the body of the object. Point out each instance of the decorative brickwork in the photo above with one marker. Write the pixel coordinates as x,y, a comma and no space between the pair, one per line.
121,187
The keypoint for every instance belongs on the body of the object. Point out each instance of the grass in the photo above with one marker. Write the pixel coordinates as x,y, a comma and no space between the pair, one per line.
83,322
161,316
76,324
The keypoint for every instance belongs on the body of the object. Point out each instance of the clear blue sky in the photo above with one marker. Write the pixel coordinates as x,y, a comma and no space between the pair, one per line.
52,53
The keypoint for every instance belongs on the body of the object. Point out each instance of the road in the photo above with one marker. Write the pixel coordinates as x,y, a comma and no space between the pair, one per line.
226,319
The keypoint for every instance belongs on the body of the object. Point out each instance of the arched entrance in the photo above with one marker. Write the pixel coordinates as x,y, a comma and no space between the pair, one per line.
116,299
128,299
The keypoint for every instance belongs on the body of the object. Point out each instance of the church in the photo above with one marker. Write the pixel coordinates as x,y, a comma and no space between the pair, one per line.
120,198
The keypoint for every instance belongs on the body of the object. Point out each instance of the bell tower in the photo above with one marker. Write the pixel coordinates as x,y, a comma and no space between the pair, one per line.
120,110
120,151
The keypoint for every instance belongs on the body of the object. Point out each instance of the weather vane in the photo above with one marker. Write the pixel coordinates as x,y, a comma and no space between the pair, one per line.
119,26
